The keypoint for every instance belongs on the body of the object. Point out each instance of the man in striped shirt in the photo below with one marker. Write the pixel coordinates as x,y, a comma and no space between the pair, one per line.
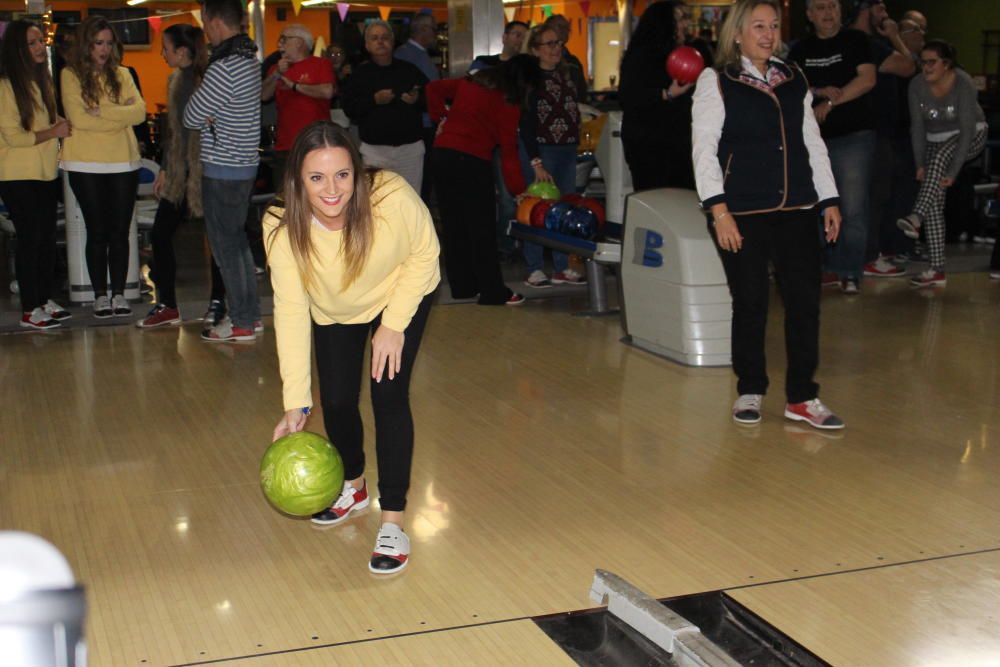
226,110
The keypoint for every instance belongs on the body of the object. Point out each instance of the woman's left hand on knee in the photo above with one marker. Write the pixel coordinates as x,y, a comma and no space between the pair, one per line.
387,350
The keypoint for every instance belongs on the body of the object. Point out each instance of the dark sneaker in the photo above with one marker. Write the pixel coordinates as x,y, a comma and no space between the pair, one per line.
813,412
350,500
102,307
829,279
160,316
392,550
56,312
746,409
215,313
39,320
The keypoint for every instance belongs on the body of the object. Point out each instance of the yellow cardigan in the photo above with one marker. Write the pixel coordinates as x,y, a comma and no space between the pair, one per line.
107,137
20,158
402,267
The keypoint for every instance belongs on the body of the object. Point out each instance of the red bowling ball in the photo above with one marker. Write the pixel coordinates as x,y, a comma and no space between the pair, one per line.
684,64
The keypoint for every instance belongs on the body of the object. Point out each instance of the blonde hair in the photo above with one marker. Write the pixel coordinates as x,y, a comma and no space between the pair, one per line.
728,52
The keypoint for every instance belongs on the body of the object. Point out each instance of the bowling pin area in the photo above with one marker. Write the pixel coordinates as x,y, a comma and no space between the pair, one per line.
546,449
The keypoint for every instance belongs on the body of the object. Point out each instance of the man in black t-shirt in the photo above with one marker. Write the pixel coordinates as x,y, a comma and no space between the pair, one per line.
838,64
513,42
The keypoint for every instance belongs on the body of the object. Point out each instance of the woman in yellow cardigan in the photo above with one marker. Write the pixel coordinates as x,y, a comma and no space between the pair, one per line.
102,157
29,151
353,256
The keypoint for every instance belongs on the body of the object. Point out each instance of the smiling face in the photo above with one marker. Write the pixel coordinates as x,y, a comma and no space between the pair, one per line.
328,180
760,34
36,45
548,49
825,17
100,48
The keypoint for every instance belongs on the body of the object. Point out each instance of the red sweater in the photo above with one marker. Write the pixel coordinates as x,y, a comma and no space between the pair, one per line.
478,120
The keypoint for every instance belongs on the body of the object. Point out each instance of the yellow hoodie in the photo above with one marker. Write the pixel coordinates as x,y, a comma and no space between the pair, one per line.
20,158
402,267
108,137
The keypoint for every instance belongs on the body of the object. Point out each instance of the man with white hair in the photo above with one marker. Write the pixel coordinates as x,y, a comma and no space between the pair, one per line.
383,98
302,85
423,35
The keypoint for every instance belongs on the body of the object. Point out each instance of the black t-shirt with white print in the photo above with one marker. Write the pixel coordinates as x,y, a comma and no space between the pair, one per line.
834,62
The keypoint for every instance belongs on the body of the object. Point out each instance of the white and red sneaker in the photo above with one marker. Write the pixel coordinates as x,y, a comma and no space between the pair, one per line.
55,311
350,500
815,413
929,278
884,267
160,316
225,331
829,279
515,299
392,550
568,277
39,320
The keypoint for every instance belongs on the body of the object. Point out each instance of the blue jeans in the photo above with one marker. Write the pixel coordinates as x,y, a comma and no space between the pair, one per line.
225,204
560,162
851,158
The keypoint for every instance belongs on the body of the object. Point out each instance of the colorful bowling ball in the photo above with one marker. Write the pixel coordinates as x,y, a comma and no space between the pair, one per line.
554,216
580,222
524,209
301,473
596,207
539,211
544,189
684,64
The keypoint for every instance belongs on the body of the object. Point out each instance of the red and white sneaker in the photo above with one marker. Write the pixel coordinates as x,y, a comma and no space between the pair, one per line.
159,316
350,500
39,320
883,267
515,299
568,277
829,279
815,413
225,332
392,550
929,278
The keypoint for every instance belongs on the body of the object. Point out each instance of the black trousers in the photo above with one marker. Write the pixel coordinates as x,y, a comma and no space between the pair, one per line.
467,203
791,241
168,218
340,354
107,202
32,207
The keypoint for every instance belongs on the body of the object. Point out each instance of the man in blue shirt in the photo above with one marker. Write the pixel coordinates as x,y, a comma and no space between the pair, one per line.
423,35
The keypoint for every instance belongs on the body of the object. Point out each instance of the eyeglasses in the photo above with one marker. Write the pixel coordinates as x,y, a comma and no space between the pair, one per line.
552,43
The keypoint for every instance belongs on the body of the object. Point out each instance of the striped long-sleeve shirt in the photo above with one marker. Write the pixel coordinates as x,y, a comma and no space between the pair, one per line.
226,109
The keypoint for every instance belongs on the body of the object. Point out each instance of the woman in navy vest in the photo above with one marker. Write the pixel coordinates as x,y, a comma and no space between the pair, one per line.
763,174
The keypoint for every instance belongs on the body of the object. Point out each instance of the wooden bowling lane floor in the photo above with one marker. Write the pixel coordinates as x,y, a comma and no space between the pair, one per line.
545,449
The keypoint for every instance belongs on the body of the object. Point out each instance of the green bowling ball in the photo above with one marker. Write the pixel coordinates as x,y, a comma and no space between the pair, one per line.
301,473
544,189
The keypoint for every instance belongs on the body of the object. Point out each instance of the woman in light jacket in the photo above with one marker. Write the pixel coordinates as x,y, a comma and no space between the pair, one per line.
763,174
102,157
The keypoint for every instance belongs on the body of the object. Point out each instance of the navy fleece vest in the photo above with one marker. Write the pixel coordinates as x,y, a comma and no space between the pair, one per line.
761,152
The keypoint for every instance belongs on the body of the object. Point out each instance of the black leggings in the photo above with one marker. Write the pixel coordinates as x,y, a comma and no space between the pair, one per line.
107,202
32,207
340,354
169,216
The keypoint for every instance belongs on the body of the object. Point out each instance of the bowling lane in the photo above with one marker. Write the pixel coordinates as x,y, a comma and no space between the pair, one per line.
545,449
933,614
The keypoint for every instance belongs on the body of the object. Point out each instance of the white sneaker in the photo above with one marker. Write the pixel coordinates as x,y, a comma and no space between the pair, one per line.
56,312
39,320
538,279
568,277
120,307
746,409
102,307
392,550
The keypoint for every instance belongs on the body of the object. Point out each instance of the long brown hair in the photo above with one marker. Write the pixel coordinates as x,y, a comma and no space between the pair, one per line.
359,230
94,81
192,38
728,51
22,71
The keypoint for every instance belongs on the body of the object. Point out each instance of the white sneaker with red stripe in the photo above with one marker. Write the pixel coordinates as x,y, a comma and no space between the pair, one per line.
884,267
392,550
39,320
815,413
929,278
350,500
